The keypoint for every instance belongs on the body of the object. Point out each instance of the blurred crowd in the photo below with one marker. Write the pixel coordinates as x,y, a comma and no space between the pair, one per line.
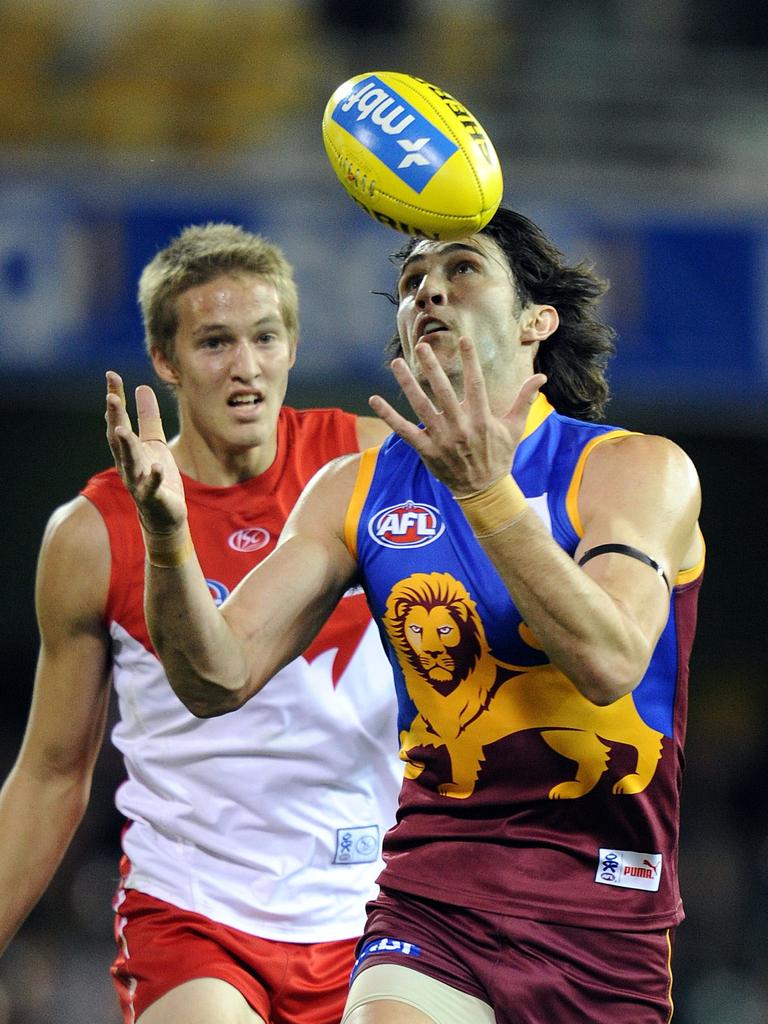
676,87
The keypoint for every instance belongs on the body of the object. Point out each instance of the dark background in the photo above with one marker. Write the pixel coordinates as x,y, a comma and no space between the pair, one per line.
636,137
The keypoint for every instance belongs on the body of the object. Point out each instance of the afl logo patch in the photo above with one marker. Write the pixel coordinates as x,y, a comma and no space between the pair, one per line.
250,539
408,525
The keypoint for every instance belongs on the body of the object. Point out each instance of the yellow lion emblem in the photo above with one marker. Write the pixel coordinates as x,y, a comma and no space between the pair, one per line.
467,699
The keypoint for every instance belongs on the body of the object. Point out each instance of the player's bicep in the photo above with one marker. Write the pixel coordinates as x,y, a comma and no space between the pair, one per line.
71,690
639,495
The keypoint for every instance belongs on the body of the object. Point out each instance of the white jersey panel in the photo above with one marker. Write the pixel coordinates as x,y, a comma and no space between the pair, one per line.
268,819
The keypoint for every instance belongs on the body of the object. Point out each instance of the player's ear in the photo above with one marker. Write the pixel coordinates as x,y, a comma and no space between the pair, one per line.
164,367
538,322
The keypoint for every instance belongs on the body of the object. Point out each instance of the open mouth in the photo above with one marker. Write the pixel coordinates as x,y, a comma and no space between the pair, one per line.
429,327
244,401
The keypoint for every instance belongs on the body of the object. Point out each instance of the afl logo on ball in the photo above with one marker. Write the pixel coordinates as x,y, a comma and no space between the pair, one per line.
408,525
250,539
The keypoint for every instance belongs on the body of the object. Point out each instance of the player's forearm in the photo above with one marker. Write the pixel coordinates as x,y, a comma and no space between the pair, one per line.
583,630
202,659
29,854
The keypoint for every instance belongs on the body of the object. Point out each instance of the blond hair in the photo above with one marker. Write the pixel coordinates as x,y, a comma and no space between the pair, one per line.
200,254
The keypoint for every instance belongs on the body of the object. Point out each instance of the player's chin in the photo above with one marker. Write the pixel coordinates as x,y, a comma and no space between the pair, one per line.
449,362
443,347
248,433
457,384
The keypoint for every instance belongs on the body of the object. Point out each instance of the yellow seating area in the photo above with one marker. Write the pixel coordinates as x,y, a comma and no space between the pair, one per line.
184,75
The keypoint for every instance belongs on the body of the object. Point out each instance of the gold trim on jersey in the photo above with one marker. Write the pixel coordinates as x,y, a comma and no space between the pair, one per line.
540,409
359,494
688,575
572,495
671,977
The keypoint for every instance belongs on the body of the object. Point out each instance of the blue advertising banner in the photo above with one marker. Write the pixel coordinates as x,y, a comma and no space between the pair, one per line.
689,294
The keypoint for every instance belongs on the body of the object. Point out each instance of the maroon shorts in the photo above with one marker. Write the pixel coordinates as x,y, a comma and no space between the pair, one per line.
527,971
161,947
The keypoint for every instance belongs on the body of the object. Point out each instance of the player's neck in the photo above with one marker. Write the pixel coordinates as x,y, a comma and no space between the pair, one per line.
220,466
503,386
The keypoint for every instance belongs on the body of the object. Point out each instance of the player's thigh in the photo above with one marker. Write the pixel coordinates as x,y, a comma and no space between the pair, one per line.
201,1001
386,1011
393,994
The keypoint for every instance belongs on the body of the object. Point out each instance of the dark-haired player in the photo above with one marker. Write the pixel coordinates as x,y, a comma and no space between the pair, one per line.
535,575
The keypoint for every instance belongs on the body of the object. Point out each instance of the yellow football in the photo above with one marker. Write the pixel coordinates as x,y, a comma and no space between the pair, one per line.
411,155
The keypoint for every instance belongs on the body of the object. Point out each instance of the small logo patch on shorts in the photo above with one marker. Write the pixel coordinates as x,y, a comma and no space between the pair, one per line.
629,870
385,945
357,845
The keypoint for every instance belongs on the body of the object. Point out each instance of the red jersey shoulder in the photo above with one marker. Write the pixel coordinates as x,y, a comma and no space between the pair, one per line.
315,436
107,492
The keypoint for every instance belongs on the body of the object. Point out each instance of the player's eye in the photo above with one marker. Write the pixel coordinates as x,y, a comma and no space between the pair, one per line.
464,267
410,282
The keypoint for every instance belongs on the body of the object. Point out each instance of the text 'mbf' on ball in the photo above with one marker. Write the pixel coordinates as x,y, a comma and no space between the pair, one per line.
411,155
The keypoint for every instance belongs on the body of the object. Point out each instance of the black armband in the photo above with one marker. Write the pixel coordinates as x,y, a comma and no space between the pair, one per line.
626,549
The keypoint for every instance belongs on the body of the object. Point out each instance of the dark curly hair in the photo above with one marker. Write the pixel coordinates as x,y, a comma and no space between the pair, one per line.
576,355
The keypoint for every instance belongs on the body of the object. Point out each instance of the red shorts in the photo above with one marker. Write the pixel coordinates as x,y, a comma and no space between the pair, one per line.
160,947
527,971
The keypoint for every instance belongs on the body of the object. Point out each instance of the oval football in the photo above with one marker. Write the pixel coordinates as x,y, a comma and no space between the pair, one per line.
412,155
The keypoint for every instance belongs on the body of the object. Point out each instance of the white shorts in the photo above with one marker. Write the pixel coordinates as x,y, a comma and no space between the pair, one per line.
445,1005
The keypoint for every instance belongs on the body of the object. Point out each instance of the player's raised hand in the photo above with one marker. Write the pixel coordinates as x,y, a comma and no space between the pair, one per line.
144,461
462,442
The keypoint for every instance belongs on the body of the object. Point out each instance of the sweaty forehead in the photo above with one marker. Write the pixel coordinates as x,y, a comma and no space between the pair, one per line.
228,292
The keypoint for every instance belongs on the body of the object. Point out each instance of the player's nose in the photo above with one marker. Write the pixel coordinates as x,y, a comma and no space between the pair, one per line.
432,289
245,363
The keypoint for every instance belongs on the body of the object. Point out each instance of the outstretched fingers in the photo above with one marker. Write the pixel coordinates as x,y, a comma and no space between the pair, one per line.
115,386
413,391
396,423
128,449
444,401
143,459
517,416
475,391
419,402
116,414
119,428
148,412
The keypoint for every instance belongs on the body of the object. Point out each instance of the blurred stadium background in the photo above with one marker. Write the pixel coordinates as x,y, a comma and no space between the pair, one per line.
635,132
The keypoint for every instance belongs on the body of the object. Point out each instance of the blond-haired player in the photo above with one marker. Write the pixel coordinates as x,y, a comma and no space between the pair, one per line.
251,842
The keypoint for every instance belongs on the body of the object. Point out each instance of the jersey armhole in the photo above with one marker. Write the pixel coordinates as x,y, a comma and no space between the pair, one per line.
686,576
359,494
572,494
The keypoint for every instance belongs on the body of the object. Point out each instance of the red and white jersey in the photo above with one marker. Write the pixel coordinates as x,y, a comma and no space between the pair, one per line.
268,819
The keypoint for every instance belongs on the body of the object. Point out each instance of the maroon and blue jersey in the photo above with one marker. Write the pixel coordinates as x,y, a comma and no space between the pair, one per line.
520,795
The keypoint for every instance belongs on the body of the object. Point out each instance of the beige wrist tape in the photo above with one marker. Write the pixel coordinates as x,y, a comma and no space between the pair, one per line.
494,509
168,551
